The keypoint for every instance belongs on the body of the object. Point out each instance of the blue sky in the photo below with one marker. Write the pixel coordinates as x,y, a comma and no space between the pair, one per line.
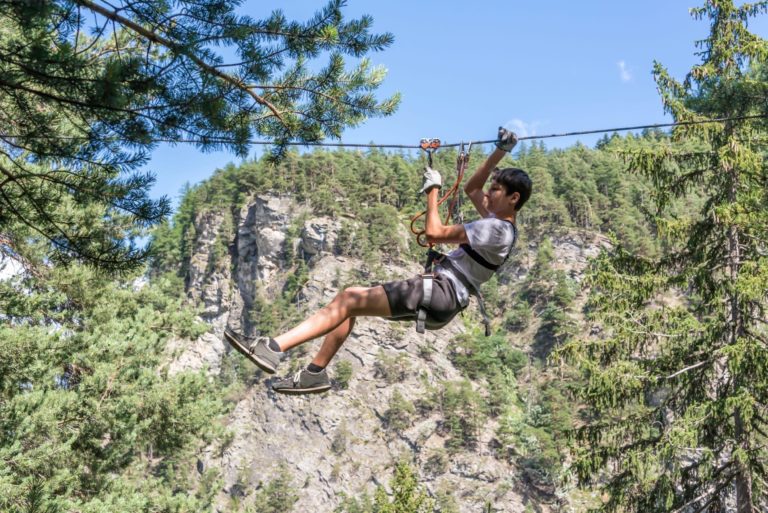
464,68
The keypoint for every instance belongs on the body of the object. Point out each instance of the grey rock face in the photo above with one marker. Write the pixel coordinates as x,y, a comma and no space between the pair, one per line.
319,236
260,239
207,277
574,249
204,353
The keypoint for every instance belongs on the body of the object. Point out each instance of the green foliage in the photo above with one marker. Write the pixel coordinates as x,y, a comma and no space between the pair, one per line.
519,317
393,368
677,387
546,286
480,356
270,313
533,438
343,374
89,91
399,413
362,504
276,496
546,293
383,235
586,189
264,314
407,496
502,390
88,416
463,412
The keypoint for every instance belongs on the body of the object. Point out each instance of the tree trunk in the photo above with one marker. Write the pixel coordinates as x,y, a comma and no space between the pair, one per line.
744,501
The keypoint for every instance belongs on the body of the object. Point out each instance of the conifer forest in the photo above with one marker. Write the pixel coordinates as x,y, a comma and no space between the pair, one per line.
627,368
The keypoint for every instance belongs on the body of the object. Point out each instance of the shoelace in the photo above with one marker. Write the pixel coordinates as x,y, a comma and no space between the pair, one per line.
253,343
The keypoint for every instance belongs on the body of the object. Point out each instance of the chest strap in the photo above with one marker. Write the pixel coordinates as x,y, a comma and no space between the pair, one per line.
474,255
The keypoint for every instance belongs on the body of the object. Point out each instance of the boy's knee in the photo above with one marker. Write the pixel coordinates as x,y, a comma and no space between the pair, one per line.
352,296
352,293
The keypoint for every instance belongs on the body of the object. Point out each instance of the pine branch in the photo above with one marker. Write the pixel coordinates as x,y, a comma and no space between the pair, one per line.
714,496
689,368
178,49
106,258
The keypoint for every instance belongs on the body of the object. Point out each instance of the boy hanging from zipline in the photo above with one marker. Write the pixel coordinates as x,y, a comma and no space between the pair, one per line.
484,245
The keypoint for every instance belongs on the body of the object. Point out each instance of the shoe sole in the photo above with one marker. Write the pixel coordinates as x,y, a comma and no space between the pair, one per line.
266,367
302,391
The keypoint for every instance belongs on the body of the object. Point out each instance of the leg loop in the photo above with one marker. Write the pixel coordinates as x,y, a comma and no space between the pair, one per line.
426,301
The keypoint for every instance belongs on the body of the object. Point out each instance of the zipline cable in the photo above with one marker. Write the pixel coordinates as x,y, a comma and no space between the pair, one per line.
624,129
217,140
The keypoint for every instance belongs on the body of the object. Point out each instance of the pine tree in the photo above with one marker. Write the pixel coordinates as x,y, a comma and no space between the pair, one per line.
678,386
89,88
407,495
91,419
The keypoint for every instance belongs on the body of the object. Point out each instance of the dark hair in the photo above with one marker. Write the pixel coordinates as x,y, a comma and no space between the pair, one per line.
514,180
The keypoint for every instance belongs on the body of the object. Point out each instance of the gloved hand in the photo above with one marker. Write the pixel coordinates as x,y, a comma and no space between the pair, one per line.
506,140
432,179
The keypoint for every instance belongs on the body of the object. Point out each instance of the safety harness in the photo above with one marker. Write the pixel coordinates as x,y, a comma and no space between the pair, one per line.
435,257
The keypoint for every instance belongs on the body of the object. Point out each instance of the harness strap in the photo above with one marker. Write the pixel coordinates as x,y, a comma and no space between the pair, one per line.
478,258
432,257
425,303
483,313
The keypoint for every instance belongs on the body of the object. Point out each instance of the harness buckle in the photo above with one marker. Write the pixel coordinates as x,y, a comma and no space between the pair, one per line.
432,258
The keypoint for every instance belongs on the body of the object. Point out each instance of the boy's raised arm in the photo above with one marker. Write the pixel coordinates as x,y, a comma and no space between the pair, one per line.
474,187
434,230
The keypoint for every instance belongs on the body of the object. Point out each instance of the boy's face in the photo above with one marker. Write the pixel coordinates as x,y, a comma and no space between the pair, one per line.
498,202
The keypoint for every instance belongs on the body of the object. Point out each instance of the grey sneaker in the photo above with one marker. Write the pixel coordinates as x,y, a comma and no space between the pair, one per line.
255,349
303,382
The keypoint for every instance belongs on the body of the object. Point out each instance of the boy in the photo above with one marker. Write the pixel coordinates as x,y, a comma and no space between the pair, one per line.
484,245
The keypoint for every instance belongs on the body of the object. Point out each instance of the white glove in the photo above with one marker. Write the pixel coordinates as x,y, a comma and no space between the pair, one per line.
506,139
432,179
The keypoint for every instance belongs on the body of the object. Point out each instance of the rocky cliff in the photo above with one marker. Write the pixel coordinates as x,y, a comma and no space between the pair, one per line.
342,442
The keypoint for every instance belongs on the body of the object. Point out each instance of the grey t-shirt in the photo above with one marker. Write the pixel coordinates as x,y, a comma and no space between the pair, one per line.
492,239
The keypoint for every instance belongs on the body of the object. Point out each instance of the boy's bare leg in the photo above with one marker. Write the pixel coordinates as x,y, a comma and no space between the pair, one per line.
351,302
333,342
